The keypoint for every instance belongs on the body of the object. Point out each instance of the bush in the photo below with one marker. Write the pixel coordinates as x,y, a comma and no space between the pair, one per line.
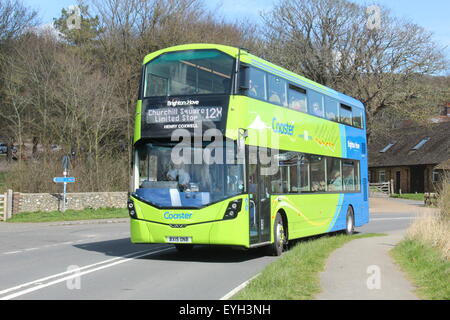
444,197
107,173
434,228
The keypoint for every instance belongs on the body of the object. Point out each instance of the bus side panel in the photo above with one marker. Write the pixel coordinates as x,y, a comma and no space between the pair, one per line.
308,214
355,147
309,134
360,209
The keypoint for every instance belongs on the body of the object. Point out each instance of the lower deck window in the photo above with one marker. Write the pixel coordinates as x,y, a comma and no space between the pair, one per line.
303,173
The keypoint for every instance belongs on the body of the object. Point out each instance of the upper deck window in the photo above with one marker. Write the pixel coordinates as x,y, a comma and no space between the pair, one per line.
263,85
277,90
257,84
189,73
357,118
345,113
316,104
297,98
331,109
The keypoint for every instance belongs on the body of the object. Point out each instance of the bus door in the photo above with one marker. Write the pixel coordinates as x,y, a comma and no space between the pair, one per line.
259,195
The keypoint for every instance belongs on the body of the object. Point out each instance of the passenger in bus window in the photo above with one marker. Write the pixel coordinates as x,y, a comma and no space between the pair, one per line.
277,90
180,175
298,104
348,172
275,98
335,183
318,186
317,110
331,116
252,89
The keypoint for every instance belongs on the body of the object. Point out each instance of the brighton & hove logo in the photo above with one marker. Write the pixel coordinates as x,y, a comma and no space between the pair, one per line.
176,103
353,145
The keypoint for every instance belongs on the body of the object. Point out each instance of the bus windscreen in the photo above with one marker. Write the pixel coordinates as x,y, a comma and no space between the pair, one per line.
167,180
191,72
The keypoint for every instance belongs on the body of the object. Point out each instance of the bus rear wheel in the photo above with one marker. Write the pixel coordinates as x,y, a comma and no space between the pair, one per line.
350,222
279,234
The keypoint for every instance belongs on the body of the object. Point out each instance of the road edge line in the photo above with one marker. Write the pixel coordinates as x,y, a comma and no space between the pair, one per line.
239,288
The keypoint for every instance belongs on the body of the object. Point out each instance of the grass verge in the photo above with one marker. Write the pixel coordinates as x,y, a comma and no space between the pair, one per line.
70,215
426,267
295,275
410,196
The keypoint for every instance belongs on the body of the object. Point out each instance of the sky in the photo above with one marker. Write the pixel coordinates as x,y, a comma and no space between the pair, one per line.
433,15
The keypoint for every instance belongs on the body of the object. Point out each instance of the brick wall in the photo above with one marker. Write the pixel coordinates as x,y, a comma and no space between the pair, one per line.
31,202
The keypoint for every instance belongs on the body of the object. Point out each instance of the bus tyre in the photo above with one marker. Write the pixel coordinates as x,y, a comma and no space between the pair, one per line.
184,247
350,222
279,235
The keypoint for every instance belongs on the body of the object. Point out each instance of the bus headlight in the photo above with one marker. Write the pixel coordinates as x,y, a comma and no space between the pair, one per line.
233,209
131,209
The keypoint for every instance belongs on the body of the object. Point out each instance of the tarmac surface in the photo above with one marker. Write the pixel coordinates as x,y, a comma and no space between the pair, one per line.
363,269
96,260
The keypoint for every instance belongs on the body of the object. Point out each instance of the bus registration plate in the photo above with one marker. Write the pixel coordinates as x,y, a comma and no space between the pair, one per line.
179,239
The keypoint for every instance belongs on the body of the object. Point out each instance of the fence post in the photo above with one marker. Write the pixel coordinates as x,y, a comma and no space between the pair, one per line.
9,204
4,206
391,187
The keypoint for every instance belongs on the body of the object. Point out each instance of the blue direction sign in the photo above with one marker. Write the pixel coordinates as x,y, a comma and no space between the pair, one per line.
64,179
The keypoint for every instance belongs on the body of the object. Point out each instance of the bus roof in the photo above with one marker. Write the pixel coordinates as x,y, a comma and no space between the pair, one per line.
265,65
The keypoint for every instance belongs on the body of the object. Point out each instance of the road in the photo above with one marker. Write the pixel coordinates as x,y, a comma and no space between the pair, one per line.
97,261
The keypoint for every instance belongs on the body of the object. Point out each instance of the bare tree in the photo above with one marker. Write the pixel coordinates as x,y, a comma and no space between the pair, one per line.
15,19
15,104
333,43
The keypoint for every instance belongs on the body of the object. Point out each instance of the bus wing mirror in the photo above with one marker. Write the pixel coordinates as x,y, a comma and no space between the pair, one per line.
243,78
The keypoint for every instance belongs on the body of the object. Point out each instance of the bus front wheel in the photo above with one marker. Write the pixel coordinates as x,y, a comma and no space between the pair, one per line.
279,234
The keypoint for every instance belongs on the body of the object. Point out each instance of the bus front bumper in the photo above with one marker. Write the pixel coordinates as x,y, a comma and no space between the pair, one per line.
224,232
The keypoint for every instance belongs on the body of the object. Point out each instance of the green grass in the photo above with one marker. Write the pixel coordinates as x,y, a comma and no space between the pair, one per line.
70,215
295,275
425,267
410,196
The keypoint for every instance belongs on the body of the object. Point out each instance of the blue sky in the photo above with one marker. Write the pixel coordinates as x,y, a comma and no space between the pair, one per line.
433,15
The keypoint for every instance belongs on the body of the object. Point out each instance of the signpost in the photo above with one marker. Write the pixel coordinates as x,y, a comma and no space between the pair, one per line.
65,180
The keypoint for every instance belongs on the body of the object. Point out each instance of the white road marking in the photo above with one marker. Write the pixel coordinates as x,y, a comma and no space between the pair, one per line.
40,283
12,252
386,219
238,288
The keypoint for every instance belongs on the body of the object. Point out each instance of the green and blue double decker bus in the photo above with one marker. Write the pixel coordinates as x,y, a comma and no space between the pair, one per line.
230,149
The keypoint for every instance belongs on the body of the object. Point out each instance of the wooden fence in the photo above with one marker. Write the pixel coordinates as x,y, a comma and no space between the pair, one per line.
2,207
383,189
